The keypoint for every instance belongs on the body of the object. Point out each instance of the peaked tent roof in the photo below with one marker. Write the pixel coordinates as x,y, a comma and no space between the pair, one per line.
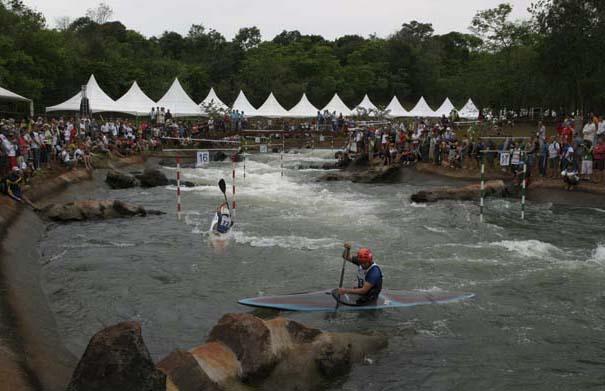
366,104
178,102
395,109
242,104
445,108
271,108
212,98
98,100
303,109
469,111
135,101
337,105
422,109
9,95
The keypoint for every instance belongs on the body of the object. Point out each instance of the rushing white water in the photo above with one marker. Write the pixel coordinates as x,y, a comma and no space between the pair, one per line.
538,284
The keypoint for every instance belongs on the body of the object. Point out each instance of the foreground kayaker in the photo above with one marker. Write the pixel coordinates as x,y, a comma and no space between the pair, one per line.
369,276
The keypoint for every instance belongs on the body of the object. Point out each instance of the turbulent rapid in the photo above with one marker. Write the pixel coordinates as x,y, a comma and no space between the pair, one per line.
536,321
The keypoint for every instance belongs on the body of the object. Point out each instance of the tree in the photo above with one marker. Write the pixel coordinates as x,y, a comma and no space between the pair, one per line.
63,22
414,32
496,30
101,14
248,37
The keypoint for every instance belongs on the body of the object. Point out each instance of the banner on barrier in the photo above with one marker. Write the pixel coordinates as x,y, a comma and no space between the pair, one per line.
263,148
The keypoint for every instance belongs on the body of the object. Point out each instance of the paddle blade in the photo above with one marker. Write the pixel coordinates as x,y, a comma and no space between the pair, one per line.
222,185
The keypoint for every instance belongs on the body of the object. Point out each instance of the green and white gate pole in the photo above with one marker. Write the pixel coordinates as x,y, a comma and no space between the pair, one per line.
481,205
283,147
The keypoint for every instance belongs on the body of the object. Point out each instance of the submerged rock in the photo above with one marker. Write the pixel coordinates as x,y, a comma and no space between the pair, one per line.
465,193
116,358
152,177
378,174
119,180
93,210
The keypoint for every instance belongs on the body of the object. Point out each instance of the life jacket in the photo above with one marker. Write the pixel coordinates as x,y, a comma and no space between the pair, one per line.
224,223
374,292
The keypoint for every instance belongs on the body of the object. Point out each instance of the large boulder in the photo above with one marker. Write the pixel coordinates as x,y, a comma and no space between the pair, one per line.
93,210
119,180
184,372
117,359
250,339
465,193
152,177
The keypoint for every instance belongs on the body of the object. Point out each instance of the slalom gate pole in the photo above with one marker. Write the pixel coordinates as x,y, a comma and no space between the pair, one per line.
178,187
332,142
283,147
234,206
523,188
245,152
482,203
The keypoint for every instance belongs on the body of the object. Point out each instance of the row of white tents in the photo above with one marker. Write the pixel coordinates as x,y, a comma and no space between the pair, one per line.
136,102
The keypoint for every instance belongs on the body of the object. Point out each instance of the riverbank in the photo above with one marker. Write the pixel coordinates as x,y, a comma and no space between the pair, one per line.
32,355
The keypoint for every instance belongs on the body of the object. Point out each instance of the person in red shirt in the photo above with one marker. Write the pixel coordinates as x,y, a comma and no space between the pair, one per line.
566,134
599,160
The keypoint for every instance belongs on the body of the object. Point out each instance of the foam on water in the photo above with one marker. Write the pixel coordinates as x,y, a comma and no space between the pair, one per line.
265,184
293,242
528,248
598,255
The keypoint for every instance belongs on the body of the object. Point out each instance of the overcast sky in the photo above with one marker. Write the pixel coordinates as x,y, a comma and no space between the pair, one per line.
330,18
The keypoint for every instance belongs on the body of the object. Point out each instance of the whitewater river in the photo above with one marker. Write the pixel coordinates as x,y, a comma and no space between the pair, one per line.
537,321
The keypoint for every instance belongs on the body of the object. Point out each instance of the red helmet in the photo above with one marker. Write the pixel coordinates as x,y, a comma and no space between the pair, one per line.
364,255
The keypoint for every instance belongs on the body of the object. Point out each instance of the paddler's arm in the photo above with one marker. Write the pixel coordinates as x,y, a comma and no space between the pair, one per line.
356,291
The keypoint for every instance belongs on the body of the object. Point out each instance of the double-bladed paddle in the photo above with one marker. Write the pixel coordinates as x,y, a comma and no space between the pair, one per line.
223,186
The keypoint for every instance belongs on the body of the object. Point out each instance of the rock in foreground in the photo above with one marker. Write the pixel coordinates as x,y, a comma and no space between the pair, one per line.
93,210
466,193
241,350
117,359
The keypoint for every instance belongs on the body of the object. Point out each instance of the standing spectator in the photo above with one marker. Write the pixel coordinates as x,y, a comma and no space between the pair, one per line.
554,151
587,161
599,159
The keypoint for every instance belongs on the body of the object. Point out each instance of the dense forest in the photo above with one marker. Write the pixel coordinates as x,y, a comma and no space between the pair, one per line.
552,59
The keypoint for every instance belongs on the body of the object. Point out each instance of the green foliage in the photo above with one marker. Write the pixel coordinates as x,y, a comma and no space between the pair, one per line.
550,60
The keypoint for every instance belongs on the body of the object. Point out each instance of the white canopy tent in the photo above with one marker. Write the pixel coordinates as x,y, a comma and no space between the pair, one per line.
135,102
422,109
98,100
271,108
178,102
213,99
303,109
469,111
396,110
11,96
242,104
365,105
445,109
338,106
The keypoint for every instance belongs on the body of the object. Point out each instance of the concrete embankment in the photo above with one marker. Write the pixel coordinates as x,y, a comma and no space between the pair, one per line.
32,355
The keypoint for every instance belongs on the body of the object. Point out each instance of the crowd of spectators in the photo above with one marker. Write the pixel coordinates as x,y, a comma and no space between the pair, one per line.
28,146
570,150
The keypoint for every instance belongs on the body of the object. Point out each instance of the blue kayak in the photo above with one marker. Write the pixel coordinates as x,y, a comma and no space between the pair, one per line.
326,301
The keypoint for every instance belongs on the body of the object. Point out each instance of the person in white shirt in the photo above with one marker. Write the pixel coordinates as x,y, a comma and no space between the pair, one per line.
589,132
